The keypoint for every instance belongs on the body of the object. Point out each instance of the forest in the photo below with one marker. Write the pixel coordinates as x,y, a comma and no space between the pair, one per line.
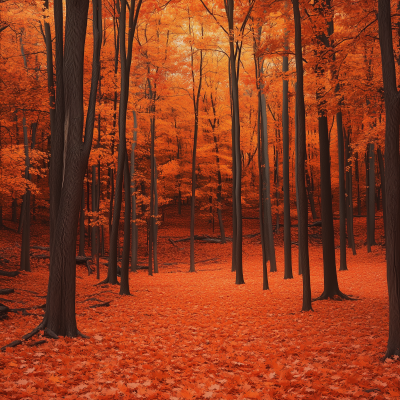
200,199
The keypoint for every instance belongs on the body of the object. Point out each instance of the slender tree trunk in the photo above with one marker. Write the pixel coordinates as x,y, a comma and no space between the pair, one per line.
124,288
26,215
267,198
342,195
133,196
358,185
300,161
286,192
261,203
94,209
155,217
151,221
367,199
349,185
82,225
296,149
382,172
371,194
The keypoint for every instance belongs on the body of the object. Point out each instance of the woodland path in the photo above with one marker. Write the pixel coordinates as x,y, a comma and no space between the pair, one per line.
196,336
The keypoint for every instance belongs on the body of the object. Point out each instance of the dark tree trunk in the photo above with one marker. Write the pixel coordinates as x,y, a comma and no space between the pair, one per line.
300,161
367,199
155,217
124,288
349,186
69,166
195,100
14,210
151,220
261,203
296,150
133,196
358,185
267,190
125,60
25,219
82,225
94,228
342,194
392,175
382,172
371,194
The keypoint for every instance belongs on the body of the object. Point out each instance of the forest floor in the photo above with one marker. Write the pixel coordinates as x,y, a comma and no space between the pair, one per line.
198,335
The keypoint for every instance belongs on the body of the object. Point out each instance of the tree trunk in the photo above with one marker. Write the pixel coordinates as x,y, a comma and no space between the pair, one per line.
133,196
371,194
342,195
82,226
267,190
124,288
261,203
349,185
300,161
392,174
367,199
358,185
72,162
382,172
155,217
26,215
286,192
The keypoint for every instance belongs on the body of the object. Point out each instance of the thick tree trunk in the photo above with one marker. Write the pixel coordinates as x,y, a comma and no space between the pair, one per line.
392,175
300,161
71,165
342,194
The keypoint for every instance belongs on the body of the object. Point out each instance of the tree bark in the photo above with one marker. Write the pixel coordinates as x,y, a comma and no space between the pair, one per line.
342,195
371,194
133,196
392,174
300,161
124,288
69,167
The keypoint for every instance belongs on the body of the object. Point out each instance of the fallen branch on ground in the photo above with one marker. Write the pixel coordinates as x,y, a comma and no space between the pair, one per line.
6,291
11,274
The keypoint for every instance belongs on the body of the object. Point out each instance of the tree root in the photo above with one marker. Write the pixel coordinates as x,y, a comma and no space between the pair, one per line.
12,344
48,332
80,334
106,304
338,296
31,334
37,343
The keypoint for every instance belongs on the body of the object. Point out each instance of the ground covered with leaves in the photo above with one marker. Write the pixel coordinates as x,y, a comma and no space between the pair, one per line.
198,335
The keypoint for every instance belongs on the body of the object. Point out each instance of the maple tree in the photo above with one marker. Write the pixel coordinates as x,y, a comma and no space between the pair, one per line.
197,111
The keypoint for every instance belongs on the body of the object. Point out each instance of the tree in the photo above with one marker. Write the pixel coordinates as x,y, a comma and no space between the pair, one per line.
69,158
392,174
300,161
